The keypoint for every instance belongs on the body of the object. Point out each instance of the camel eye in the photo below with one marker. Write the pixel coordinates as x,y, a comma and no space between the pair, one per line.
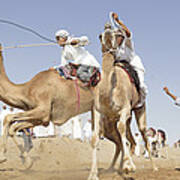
100,37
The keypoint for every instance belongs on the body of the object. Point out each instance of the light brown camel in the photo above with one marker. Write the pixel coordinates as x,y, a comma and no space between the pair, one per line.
46,97
115,99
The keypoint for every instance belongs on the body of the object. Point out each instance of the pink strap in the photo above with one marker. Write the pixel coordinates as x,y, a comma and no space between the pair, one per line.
78,94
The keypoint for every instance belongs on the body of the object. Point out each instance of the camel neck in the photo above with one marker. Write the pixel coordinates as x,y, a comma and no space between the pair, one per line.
9,92
107,63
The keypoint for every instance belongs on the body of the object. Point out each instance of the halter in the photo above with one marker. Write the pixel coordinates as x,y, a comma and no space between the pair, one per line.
113,50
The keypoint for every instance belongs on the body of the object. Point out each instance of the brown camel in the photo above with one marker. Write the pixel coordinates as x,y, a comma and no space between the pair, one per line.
115,99
46,97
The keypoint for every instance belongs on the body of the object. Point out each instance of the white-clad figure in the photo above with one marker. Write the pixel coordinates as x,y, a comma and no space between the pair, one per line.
77,130
74,54
73,49
51,129
152,139
87,130
5,111
66,129
126,51
137,138
40,131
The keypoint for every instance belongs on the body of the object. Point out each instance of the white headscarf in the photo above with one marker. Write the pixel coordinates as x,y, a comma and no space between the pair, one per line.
62,33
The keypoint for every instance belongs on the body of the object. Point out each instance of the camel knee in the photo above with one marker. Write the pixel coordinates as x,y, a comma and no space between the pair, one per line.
94,140
7,119
121,127
11,131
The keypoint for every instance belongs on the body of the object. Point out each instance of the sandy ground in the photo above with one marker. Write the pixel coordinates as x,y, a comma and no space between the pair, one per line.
66,159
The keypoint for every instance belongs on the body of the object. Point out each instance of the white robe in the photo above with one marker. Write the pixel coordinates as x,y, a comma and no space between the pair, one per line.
77,131
87,130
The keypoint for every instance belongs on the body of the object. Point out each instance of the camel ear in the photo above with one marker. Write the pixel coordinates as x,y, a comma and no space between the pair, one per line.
100,37
0,47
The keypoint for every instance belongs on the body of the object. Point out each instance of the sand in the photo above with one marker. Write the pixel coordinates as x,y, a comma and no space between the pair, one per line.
67,159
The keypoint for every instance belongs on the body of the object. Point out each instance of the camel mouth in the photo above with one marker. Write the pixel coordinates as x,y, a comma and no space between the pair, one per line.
109,40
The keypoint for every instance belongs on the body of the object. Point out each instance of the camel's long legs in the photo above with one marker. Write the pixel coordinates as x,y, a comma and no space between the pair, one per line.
130,136
22,120
140,115
95,141
126,160
113,136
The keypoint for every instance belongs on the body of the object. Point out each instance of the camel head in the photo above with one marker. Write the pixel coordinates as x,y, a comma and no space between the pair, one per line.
111,39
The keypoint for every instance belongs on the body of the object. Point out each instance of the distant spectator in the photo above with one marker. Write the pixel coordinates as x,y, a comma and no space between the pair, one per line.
87,130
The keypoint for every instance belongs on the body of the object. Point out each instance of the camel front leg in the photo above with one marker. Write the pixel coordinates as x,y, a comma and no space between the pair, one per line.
94,143
126,163
6,124
140,115
130,136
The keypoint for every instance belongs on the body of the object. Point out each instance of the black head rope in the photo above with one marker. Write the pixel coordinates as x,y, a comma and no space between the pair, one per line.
27,29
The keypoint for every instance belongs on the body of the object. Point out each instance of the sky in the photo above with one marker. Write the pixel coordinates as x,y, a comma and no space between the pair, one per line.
155,26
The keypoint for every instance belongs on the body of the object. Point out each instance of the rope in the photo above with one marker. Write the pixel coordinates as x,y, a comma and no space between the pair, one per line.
78,95
27,29
29,45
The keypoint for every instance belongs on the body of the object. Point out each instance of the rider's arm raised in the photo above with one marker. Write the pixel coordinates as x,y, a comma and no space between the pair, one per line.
128,33
81,41
169,93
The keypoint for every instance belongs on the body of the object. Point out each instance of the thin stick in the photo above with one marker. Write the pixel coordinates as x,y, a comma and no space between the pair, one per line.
29,45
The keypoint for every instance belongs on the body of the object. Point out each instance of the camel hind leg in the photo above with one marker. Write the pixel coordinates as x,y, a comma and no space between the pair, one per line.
111,133
23,120
140,115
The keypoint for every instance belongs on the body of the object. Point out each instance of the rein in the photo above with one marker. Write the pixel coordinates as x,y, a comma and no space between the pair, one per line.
78,95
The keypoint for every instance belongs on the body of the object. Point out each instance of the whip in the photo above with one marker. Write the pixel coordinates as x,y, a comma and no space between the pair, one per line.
28,45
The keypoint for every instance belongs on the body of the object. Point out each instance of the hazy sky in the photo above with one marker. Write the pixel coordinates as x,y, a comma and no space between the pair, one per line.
155,25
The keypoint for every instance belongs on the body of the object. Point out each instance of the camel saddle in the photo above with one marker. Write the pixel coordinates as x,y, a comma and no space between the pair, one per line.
133,76
89,75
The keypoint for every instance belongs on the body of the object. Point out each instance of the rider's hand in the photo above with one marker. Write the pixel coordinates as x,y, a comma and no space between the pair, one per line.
74,42
51,68
115,16
166,89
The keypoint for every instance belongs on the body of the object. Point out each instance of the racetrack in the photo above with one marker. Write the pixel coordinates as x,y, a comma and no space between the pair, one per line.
67,159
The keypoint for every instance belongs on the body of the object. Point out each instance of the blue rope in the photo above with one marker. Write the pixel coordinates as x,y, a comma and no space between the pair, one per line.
27,29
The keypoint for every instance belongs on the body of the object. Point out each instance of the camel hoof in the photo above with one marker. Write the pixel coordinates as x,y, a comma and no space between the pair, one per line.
93,177
3,159
155,169
27,162
127,170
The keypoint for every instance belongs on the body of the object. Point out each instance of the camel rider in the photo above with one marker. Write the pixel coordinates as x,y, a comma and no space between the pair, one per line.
175,98
73,51
126,51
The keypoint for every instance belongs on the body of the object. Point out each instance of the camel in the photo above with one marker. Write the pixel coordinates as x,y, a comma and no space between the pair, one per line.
46,97
115,99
